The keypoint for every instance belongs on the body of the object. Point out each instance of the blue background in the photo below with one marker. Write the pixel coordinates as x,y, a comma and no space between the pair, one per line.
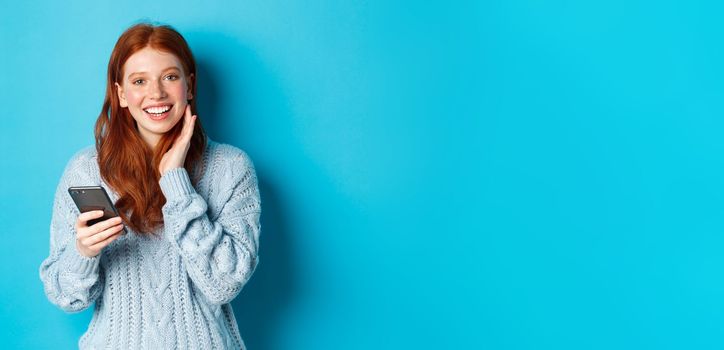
434,175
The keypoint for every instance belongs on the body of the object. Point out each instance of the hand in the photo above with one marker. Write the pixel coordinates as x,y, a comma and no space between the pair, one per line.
91,240
176,156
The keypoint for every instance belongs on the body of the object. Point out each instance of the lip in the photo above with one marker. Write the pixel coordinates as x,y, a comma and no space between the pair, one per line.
158,117
159,105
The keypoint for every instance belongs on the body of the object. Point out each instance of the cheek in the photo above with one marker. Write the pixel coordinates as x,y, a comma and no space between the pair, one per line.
178,91
134,98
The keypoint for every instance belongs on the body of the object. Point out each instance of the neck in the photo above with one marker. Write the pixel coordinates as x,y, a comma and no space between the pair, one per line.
150,139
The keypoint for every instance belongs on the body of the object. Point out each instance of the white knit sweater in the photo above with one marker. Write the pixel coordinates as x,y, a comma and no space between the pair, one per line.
171,290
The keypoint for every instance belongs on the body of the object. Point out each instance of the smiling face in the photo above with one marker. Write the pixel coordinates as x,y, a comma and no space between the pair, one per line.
155,90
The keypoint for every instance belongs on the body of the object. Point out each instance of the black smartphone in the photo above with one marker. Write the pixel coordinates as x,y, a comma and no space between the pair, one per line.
89,198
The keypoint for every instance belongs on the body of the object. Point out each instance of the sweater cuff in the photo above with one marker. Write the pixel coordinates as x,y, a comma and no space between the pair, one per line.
176,183
77,263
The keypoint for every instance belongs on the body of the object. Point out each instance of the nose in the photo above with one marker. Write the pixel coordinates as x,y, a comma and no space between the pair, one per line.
157,90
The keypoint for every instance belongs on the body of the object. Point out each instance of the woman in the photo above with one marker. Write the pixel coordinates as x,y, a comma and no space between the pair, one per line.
190,205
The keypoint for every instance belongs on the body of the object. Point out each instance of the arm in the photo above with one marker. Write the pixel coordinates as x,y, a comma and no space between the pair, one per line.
71,281
220,256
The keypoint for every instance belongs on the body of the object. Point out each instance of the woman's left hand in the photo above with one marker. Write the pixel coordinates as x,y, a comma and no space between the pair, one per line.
176,156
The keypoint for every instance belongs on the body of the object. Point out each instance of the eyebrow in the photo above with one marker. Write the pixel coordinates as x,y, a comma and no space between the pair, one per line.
164,70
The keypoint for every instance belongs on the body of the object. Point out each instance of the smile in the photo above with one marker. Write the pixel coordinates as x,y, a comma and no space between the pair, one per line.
157,113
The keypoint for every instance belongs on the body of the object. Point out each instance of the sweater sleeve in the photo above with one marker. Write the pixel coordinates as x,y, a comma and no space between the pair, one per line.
71,280
221,254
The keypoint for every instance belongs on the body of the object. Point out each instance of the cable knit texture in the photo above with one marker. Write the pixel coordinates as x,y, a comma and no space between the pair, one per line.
170,290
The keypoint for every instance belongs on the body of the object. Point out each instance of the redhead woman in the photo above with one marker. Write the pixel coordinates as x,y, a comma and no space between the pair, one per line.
190,207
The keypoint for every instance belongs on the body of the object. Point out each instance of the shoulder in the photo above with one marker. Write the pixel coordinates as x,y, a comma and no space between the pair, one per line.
229,162
80,170
228,156
82,160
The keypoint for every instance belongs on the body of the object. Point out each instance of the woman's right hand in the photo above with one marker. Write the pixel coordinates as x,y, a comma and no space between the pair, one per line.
90,240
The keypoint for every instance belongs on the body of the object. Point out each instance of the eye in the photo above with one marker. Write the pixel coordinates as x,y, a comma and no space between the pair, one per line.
172,77
138,82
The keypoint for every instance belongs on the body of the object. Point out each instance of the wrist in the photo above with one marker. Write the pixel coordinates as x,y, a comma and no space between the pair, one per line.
175,183
82,251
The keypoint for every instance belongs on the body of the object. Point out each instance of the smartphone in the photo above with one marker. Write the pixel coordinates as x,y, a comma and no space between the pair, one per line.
89,198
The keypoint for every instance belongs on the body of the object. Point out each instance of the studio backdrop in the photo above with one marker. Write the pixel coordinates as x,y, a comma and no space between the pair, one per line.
433,175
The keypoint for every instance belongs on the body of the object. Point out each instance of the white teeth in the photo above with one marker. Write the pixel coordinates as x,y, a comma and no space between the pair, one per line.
157,110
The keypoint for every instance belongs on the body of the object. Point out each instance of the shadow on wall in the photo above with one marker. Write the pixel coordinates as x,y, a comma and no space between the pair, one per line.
225,106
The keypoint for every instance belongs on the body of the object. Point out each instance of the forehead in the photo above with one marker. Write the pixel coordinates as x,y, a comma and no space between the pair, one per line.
150,60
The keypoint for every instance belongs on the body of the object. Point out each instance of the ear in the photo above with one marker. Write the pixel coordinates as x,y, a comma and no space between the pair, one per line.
121,98
190,84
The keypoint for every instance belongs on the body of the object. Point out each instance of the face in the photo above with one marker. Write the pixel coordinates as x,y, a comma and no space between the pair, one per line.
155,90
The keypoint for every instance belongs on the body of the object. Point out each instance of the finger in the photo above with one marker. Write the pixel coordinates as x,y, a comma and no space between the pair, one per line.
101,236
93,214
100,226
188,128
185,128
83,218
190,131
103,225
187,116
102,244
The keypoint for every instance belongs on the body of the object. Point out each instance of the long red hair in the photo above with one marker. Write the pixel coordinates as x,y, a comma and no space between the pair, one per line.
127,164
